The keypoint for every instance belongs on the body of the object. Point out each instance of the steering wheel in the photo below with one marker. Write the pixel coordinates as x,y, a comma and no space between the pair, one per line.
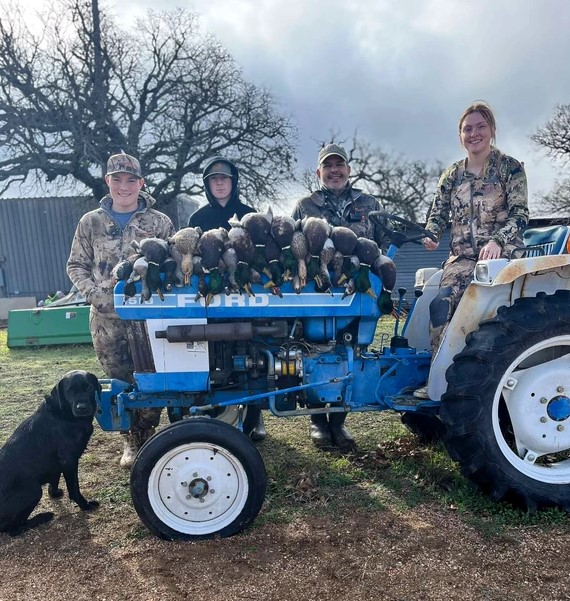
411,232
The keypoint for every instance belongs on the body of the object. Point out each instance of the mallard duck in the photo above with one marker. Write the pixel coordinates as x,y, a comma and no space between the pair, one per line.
211,246
199,271
183,246
258,225
230,259
385,269
289,263
362,281
282,230
272,253
325,257
243,278
122,270
240,240
300,249
141,268
153,279
316,231
336,264
155,250
169,268
314,270
366,250
344,239
350,267
259,262
215,284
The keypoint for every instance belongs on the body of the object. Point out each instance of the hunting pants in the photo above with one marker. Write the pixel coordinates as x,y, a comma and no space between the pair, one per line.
111,342
457,275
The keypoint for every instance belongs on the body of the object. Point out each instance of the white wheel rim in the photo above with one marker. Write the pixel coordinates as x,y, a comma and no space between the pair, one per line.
198,488
536,390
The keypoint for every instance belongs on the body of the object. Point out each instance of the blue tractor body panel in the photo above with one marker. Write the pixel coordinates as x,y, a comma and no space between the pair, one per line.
293,354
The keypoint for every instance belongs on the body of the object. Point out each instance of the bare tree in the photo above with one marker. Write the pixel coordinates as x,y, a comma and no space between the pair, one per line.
83,89
554,137
403,187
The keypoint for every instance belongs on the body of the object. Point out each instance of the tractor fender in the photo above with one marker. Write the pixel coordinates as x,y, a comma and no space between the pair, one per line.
516,279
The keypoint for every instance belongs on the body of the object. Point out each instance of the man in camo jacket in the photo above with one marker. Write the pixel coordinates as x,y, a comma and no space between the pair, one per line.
336,200
103,238
340,204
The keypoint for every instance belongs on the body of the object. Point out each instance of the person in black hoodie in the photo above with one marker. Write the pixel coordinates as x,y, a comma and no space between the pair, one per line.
221,184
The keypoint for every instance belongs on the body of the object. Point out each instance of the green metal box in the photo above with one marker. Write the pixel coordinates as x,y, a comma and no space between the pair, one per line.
49,325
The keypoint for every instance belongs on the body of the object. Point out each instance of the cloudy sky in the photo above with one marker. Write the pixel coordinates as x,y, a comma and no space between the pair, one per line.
399,71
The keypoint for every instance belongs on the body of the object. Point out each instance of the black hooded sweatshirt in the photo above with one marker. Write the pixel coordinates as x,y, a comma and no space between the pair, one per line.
213,215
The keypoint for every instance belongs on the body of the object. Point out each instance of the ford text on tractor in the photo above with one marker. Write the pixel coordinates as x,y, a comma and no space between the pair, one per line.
499,385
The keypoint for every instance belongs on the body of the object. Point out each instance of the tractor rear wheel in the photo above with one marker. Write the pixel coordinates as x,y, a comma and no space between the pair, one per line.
507,405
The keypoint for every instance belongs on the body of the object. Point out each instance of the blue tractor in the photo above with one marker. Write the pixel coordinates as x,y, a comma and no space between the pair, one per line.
498,385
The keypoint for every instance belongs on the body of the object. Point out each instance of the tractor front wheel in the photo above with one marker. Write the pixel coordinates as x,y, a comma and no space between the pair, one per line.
196,479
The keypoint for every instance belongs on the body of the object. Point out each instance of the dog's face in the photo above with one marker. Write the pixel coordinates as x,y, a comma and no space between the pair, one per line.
75,394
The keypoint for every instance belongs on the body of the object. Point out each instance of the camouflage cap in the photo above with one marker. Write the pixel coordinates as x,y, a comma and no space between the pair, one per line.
123,163
219,168
332,149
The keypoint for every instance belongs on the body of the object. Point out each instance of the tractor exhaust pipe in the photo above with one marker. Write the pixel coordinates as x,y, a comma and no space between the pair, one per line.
214,332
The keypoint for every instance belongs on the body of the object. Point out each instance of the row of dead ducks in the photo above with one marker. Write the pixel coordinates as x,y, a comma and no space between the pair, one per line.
230,261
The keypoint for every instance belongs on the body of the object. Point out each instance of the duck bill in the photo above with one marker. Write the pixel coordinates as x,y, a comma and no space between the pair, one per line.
342,279
371,293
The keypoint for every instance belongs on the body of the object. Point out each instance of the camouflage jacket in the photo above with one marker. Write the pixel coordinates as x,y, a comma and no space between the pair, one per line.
349,209
99,244
490,206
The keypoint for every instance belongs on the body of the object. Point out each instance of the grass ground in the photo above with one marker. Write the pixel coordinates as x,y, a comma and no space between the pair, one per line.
391,469
395,521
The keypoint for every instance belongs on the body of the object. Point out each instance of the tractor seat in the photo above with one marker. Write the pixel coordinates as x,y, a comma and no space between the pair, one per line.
545,240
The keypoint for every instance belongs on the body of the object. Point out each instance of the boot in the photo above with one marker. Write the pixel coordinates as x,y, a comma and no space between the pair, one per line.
130,450
259,433
133,442
319,430
341,437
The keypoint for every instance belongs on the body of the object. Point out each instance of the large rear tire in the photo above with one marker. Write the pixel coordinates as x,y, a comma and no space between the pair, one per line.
507,405
196,479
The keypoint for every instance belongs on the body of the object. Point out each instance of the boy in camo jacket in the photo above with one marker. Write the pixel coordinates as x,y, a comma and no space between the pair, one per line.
103,238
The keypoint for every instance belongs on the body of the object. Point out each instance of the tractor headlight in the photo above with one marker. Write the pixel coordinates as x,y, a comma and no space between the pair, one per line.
482,273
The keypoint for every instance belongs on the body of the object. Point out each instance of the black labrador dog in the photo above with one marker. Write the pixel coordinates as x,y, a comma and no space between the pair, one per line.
46,445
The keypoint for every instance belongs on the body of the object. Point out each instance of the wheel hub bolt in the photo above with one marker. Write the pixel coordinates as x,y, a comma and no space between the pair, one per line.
560,389
543,419
544,400
560,427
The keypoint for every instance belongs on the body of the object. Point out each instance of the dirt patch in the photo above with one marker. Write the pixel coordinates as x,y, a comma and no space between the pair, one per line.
424,553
